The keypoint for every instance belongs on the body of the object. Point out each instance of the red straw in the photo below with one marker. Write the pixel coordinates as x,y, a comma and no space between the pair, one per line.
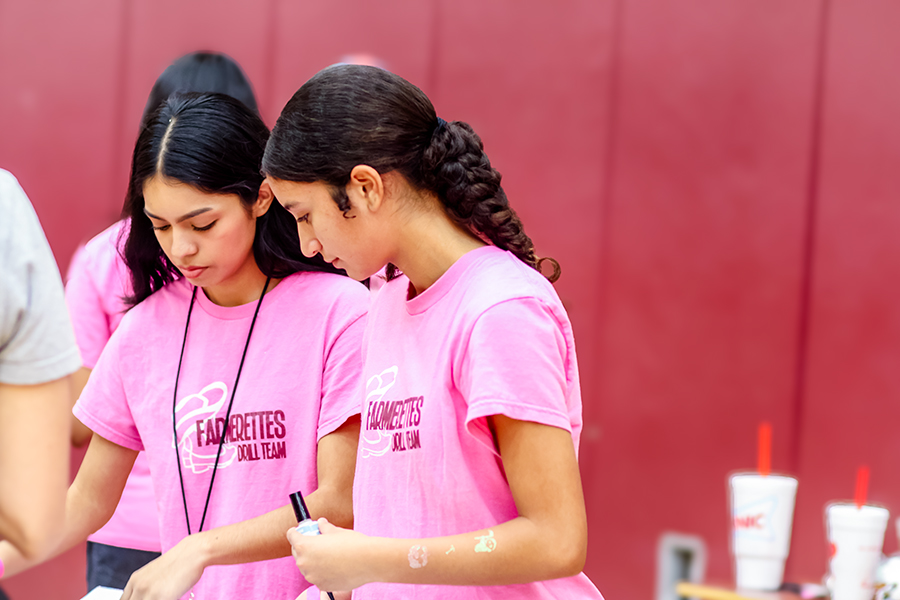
764,460
862,485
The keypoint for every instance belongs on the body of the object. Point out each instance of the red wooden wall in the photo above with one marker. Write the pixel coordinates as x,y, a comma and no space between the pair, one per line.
717,178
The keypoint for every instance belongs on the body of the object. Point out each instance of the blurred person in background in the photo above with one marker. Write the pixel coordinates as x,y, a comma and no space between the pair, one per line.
97,283
37,355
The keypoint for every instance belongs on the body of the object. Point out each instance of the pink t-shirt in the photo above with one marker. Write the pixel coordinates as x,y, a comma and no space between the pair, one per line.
489,337
299,383
98,279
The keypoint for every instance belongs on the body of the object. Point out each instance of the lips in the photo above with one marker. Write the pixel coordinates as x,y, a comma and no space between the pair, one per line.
191,272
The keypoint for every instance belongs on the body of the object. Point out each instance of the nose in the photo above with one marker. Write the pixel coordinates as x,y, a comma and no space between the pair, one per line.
183,244
309,245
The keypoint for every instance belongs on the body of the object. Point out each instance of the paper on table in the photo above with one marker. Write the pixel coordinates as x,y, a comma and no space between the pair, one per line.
104,593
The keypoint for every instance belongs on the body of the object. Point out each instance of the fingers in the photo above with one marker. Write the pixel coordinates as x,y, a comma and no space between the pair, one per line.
292,535
326,527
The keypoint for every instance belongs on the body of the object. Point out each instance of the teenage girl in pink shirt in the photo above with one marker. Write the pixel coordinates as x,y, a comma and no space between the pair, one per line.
235,370
467,471
97,284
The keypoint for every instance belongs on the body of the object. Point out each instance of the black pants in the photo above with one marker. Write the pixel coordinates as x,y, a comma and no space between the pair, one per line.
111,566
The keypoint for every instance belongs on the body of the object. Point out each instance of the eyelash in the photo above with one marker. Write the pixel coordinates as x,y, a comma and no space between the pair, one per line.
204,228
303,219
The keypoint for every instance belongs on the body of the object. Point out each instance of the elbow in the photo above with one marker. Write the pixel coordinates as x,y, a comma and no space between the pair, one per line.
569,563
35,542
339,506
567,556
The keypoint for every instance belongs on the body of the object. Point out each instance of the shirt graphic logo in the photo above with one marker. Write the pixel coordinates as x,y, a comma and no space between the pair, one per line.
204,406
389,425
251,436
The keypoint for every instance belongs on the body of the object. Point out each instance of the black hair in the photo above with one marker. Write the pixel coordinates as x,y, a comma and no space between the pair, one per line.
215,144
348,115
202,72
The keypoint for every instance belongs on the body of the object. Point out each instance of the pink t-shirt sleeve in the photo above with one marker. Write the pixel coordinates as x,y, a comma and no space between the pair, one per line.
341,379
103,405
515,365
83,299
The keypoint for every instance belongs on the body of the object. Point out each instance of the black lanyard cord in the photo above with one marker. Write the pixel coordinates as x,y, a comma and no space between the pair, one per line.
237,378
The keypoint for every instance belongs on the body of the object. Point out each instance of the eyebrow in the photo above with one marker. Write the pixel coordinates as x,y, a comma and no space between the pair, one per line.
189,215
289,206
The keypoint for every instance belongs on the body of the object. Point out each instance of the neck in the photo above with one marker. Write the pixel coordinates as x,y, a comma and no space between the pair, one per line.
430,243
243,287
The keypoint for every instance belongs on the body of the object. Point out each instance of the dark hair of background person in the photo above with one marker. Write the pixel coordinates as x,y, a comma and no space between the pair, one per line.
215,144
348,115
202,72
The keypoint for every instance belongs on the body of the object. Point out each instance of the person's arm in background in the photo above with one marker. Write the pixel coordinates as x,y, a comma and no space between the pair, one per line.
37,354
91,323
80,435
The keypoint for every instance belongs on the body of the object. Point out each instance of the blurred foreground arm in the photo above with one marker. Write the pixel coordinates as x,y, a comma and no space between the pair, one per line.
37,354
34,461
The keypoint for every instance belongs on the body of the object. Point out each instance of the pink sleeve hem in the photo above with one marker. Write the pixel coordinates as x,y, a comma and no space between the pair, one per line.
333,424
104,431
515,410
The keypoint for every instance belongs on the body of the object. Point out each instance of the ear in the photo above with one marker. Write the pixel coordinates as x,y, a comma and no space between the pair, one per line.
366,188
264,200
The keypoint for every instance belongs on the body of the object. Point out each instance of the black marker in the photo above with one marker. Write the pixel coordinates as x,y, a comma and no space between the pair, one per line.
306,525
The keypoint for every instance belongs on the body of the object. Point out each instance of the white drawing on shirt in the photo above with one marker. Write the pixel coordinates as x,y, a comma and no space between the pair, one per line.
452,549
200,461
486,543
377,443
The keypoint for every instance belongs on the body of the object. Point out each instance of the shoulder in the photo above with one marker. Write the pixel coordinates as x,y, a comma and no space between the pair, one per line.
100,261
19,217
497,277
10,190
105,245
318,289
157,309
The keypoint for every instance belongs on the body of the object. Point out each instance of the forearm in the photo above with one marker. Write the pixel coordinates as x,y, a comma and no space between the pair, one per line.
518,551
89,503
83,516
262,538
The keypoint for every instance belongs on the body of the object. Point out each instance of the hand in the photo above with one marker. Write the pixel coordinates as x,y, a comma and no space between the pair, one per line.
330,561
169,577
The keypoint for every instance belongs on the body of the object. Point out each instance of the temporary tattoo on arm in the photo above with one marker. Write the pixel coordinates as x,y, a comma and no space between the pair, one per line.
452,549
486,543
418,556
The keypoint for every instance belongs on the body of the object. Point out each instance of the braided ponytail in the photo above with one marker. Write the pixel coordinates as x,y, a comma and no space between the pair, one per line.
348,115
458,171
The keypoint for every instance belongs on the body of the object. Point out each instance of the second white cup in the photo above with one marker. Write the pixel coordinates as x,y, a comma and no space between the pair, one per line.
856,536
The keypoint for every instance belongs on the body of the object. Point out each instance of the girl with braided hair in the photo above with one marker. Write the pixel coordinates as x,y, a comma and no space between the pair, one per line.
466,470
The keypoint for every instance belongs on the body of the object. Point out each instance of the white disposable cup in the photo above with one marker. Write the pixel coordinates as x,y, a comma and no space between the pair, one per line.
762,511
856,536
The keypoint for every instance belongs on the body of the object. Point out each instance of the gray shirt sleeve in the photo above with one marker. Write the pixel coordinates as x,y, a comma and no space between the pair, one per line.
37,344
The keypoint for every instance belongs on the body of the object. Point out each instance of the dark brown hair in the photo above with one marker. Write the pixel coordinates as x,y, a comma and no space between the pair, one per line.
213,143
348,115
